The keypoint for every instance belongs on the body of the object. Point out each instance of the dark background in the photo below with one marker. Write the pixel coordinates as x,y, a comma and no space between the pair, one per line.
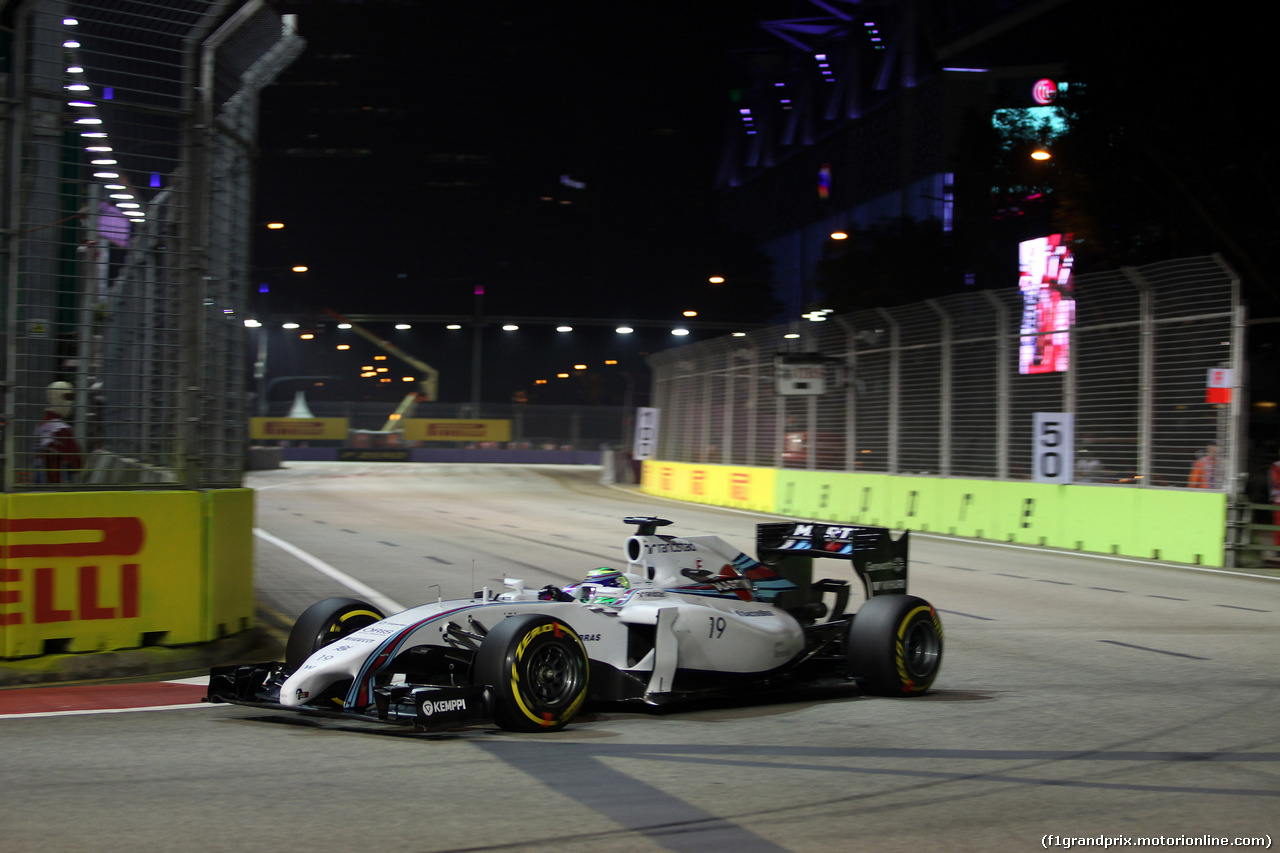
415,153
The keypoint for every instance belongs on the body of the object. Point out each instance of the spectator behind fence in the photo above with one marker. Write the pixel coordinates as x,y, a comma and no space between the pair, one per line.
57,451
1204,473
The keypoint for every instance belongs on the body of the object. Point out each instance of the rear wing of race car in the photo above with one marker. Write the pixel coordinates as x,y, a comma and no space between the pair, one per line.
878,558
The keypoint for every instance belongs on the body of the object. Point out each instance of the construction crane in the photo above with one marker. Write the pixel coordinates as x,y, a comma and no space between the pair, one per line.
427,388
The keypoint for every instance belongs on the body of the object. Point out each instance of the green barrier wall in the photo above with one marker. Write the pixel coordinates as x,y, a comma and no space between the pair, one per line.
104,571
1164,524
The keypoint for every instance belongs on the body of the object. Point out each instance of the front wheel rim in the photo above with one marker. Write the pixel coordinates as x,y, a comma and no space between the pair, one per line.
554,676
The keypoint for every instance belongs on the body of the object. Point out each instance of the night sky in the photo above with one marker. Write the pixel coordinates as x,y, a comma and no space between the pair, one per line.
416,150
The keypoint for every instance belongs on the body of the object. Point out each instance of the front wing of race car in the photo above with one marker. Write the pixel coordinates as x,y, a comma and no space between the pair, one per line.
425,707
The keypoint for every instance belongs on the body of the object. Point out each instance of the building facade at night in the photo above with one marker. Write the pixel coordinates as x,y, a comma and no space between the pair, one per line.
857,118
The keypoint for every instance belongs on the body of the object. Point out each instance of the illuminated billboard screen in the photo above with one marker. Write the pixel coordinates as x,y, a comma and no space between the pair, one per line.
1048,306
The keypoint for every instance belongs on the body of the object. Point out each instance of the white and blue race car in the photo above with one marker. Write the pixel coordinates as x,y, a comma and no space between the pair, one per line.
687,618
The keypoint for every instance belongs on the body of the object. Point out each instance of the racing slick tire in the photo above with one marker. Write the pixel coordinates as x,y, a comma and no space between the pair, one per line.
536,668
894,645
326,622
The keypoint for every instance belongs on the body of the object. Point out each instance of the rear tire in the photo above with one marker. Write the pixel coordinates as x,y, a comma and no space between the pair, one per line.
894,645
326,622
537,669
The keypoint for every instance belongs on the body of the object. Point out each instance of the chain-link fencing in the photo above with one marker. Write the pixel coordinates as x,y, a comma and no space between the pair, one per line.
127,134
949,387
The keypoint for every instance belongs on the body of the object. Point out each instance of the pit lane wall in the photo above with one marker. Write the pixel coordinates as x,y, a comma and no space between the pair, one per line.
1161,524
106,571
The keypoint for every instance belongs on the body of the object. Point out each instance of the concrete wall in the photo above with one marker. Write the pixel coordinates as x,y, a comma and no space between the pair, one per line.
1184,526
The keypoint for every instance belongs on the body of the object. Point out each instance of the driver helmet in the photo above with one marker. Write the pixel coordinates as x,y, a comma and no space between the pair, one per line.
612,585
606,576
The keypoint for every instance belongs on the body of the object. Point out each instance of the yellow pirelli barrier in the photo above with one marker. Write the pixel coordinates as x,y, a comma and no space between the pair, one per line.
722,485
456,429
298,429
101,571
228,561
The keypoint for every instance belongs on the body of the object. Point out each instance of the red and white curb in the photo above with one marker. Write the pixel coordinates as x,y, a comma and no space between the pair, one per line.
81,699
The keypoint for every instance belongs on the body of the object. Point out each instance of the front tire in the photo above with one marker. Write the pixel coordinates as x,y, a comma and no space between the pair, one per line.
895,645
326,622
537,669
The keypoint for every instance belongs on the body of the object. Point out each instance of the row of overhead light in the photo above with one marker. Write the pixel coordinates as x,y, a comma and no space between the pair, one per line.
507,327
374,372
101,153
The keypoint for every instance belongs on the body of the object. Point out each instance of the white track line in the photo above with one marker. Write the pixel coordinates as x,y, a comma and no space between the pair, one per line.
372,595
91,711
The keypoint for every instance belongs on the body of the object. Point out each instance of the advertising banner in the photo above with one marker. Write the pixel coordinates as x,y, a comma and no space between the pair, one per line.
100,570
456,429
298,429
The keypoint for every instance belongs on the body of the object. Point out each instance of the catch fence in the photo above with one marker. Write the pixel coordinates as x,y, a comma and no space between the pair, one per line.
126,140
949,387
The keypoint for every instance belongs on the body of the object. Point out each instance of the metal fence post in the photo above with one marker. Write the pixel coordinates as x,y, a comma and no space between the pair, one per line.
727,422
753,404
1236,438
11,122
708,409
1003,361
1146,371
895,390
946,404
850,393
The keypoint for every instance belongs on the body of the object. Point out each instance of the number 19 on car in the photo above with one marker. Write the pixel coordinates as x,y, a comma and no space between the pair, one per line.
1053,450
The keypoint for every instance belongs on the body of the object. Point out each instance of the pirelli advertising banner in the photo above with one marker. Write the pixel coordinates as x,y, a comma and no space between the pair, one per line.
92,571
456,429
298,429
722,485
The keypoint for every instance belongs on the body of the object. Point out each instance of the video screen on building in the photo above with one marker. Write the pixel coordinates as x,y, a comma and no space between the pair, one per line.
1048,304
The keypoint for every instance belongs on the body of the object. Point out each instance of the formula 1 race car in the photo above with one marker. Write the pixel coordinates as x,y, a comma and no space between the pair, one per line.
689,617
